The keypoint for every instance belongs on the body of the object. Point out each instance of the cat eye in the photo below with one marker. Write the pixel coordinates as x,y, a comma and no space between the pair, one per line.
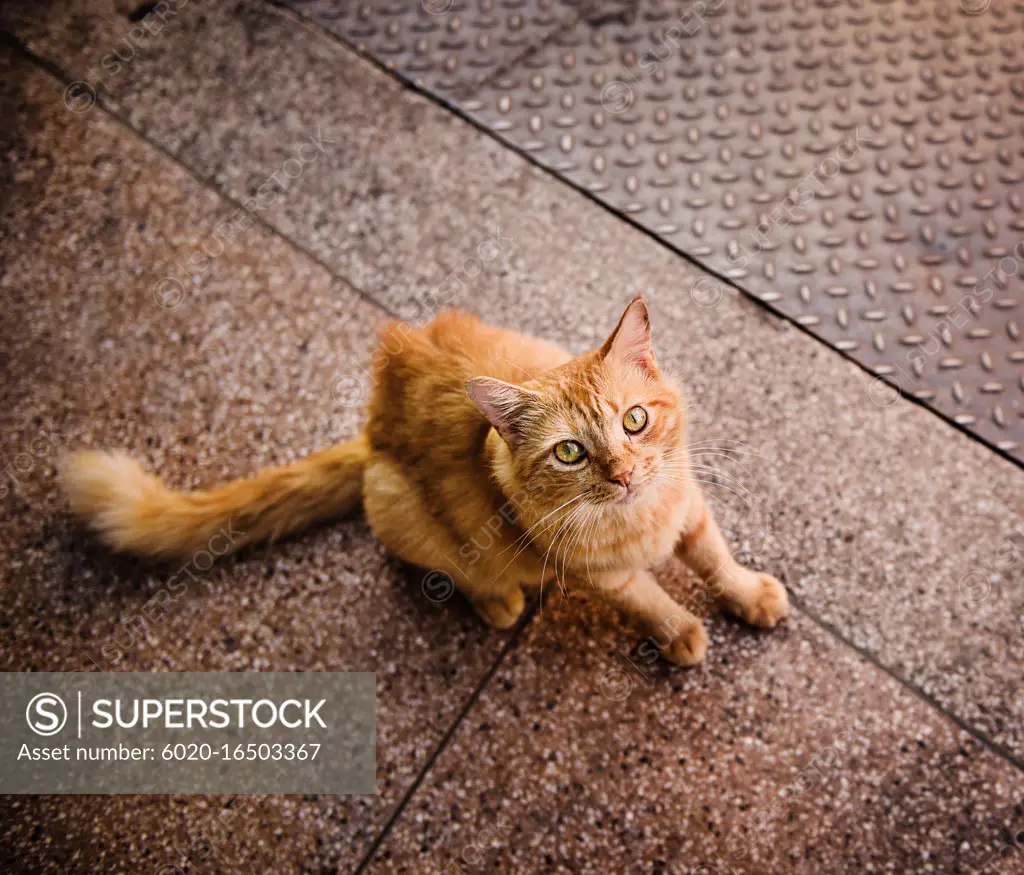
635,419
570,452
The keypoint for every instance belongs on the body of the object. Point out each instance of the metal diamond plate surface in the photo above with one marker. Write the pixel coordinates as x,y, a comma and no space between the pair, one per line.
855,165
444,46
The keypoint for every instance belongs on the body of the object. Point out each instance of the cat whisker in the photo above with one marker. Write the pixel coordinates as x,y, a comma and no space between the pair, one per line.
723,442
705,477
530,530
746,499
708,471
742,449
725,476
707,453
559,543
554,540
710,497
591,533
696,466
526,536
575,535
589,509
735,463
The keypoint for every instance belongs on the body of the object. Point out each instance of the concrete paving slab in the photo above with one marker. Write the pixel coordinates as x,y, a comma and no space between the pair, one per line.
877,515
872,201
246,360
785,753
886,524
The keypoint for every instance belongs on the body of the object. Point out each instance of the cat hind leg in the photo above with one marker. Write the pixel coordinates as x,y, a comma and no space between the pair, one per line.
401,521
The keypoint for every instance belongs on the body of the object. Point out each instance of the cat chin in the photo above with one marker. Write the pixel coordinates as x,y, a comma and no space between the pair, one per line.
630,497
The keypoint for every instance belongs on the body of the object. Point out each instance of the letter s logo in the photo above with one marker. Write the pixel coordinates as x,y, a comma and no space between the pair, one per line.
46,714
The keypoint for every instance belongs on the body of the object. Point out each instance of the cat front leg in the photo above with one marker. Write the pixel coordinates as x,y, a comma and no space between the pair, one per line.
500,609
495,593
679,634
751,595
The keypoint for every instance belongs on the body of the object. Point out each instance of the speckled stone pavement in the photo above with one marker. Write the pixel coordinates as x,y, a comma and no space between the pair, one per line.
879,731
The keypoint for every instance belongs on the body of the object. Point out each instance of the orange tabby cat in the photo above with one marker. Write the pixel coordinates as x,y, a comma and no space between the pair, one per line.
495,458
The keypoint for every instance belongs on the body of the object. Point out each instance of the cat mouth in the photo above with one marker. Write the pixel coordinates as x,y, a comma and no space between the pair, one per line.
628,494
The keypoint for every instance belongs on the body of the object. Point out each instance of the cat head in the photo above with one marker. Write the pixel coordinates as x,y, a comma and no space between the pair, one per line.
605,428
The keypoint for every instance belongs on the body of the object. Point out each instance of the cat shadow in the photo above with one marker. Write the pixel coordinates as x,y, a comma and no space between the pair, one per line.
432,594
431,599
124,575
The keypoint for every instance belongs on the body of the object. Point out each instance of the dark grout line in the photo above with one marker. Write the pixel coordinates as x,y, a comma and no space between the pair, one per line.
517,634
12,42
461,113
979,736
761,306
54,70
58,73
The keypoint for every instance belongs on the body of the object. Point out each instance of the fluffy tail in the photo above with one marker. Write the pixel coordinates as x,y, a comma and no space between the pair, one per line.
134,512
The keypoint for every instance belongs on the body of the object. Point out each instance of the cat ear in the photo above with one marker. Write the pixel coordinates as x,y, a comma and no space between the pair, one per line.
630,343
508,408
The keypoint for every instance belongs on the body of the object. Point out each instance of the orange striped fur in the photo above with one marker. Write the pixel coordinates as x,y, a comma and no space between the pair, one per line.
458,472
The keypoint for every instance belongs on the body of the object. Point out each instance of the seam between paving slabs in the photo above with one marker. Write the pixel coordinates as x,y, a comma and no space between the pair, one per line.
55,71
722,278
908,684
61,76
58,73
759,306
514,639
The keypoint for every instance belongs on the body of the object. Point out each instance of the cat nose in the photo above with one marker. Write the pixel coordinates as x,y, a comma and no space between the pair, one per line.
621,477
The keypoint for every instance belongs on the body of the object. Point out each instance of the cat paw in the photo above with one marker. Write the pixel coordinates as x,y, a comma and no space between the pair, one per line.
690,646
761,602
501,613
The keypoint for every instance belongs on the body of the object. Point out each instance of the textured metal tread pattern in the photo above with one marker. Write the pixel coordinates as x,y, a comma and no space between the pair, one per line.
448,47
856,165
